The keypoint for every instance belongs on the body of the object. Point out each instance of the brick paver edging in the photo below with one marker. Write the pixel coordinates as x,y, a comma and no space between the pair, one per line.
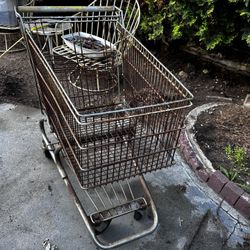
228,190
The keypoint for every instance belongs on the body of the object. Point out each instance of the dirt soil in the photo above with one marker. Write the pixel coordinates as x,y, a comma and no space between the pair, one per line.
17,84
224,126
207,82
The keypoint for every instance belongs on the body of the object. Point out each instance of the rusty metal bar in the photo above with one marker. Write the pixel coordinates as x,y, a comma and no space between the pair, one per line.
57,9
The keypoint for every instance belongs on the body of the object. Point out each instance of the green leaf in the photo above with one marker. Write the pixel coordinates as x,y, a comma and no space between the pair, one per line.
224,171
234,175
176,33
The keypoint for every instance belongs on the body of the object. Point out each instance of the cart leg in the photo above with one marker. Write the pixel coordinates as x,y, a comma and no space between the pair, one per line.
48,148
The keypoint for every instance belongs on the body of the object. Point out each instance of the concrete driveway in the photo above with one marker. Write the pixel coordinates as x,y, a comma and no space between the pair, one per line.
35,204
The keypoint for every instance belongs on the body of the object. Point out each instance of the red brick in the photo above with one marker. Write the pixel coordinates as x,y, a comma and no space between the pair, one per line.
186,151
217,181
190,155
203,175
183,138
189,148
231,192
243,205
182,145
195,163
182,141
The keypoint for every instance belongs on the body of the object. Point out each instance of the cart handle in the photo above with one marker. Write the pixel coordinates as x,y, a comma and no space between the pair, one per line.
56,9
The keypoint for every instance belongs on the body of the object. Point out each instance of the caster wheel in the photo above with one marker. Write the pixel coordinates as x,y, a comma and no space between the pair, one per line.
46,151
47,154
99,229
137,215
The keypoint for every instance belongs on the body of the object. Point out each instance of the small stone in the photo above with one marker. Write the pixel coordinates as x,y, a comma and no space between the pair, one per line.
50,189
47,245
183,75
219,55
247,101
10,218
205,71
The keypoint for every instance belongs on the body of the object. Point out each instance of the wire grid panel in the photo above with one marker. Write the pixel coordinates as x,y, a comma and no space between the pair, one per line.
130,11
127,127
90,40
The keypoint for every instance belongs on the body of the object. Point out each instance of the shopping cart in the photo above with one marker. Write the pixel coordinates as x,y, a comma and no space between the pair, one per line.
115,110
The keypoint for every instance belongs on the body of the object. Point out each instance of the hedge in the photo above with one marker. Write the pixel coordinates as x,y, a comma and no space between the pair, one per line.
209,23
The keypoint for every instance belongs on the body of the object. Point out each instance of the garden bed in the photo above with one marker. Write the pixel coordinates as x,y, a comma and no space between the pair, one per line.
223,133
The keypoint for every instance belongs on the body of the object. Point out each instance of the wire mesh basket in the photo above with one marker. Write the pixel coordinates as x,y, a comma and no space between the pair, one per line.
116,116
130,129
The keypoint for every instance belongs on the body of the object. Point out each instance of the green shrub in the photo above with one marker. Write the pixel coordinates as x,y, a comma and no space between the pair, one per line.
237,166
210,23
237,156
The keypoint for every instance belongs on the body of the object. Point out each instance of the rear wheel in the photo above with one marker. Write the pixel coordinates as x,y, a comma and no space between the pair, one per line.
46,151
138,215
47,154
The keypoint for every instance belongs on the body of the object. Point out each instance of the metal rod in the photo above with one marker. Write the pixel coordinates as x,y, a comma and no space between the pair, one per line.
125,196
116,196
98,195
56,9
12,46
104,189
130,189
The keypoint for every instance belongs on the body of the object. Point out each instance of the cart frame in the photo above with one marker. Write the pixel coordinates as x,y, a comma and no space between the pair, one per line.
123,199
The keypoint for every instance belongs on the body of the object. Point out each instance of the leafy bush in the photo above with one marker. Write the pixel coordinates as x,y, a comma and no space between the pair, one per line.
211,23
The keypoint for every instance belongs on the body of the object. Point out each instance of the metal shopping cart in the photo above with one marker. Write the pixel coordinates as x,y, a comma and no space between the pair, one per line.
115,110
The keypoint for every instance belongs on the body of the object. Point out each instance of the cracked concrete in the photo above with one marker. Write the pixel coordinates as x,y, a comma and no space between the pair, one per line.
36,206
